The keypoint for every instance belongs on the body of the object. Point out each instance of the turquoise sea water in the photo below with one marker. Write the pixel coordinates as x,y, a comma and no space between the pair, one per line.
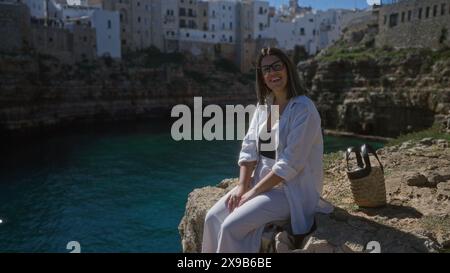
112,188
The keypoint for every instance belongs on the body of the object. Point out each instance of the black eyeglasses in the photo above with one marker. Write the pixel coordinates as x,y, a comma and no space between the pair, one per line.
276,66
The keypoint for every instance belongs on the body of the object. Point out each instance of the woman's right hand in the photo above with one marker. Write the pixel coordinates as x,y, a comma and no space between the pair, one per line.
233,199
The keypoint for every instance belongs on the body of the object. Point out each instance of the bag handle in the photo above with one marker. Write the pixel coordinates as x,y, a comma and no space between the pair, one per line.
366,149
358,156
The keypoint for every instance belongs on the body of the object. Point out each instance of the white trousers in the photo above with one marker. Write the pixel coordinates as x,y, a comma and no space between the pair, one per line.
241,230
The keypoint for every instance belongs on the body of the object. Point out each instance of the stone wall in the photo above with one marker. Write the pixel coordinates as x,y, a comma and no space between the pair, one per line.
52,40
14,27
414,23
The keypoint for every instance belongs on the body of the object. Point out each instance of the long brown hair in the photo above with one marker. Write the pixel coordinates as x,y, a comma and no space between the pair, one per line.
294,84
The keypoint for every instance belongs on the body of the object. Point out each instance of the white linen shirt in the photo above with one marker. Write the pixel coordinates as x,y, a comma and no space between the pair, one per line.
299,157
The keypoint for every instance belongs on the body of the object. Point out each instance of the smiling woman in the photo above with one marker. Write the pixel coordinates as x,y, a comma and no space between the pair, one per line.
284,184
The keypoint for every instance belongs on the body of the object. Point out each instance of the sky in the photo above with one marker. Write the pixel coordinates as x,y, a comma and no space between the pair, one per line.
326,4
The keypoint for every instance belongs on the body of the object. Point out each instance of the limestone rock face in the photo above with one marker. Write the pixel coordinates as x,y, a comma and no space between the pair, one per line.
199,202
380,95
416,218
42,92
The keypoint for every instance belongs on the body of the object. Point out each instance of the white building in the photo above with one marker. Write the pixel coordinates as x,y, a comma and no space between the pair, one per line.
223,22
105,23
40,10
302,30
261,19
314,30
169,11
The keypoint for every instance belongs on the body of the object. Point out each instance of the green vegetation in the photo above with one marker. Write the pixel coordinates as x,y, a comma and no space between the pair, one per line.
434,132
199,77
300,54
341,51
226,65
443,37
152,57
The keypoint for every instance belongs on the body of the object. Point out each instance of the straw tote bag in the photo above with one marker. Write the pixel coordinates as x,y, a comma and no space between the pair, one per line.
367,181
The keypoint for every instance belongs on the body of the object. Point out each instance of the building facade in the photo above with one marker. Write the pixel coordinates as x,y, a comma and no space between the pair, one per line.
414,23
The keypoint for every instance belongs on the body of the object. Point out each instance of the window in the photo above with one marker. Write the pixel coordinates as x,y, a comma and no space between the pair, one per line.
213,36
204,36
138,3
435,10
427,13
249,36
205,26
420,14
409,15
204,13
385,20
311,20
261,11
213,27
314,32
223,7
261,26
302,31
231,25
230,39
403,17
182,23
109,24
223,26
443,9
139,19
190,13
187,34
182,12
214,13
393,20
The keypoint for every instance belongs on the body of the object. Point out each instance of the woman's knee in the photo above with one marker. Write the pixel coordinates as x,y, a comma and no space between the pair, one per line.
210,216
232,225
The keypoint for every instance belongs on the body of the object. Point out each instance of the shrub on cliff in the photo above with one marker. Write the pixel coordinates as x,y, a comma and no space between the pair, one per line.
226,65
152,57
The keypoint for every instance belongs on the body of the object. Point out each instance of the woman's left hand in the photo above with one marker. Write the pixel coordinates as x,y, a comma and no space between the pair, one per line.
247,196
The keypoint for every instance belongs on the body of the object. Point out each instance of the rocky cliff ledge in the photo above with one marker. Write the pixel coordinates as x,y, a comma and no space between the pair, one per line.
416,219
361,89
